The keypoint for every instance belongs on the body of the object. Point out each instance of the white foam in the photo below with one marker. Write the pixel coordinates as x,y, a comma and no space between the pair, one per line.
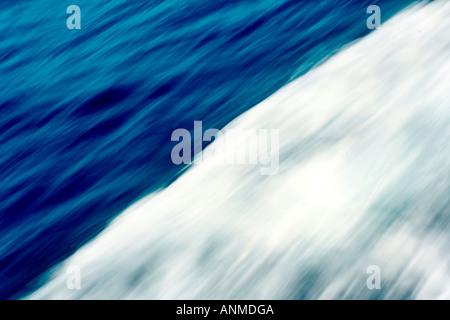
364,179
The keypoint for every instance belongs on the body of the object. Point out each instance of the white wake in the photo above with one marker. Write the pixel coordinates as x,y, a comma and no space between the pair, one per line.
364,180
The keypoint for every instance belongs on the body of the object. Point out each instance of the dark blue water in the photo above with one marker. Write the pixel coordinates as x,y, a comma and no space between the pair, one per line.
87,115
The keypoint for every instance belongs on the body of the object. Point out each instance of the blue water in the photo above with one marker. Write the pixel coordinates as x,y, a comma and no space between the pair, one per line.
87,114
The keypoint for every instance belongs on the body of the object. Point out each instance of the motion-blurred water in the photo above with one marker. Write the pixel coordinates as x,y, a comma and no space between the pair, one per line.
364,180
87,118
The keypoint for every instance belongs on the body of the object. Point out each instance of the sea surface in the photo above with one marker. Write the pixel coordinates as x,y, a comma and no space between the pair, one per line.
86,176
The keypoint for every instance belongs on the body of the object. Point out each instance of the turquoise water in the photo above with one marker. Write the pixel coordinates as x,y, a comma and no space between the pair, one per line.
87,114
